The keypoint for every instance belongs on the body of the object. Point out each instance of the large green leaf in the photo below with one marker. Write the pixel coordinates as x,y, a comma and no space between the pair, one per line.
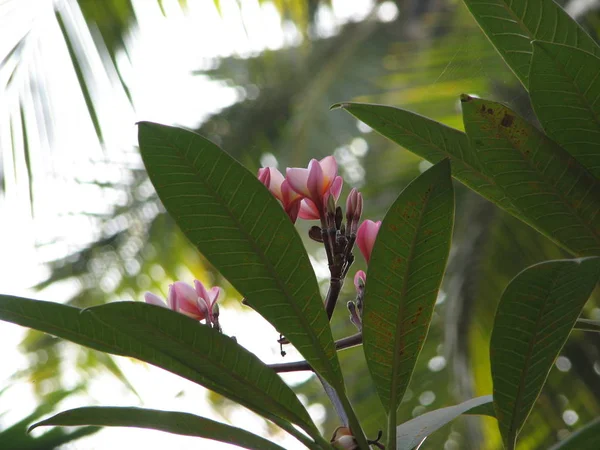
405,272
536,313
587,438
511,25
172,341
239,226
170,421
564,84
434,142
555,193
410,434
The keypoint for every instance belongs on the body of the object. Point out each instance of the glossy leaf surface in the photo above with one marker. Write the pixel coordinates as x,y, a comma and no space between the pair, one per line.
242,230
410,434
169,421
555,193
511,25
405,272
535,315
565,94
169,340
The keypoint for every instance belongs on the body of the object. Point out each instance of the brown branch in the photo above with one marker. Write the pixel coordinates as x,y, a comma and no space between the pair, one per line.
298,366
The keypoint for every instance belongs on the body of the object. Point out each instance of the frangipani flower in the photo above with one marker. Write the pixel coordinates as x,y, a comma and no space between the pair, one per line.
280,188
197,303
365,237
315,184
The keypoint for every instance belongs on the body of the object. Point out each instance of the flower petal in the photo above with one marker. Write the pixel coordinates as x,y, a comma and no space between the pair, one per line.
154,299
365,237
298,180
308,210
329,169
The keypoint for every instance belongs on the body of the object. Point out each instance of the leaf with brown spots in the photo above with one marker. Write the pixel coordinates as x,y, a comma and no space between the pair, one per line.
553,191
404,275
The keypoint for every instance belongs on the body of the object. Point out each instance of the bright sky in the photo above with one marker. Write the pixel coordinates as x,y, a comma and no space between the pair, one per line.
162,53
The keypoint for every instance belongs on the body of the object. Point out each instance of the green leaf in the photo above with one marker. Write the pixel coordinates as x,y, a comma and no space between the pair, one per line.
511,25
170,421
172,341
535,315
586,438
242,230
405,272
564,84
552,190
434,142
587,325
410,434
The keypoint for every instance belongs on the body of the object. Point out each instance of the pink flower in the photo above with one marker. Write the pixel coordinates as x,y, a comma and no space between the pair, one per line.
196,303
315,184
280,188
365,237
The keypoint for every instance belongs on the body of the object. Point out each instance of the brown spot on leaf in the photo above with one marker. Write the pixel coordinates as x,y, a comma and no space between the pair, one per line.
490,111
507,120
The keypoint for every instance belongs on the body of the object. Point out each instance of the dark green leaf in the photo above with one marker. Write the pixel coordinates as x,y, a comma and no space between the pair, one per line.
434,142
564,84
552,190
587,325
511,25
405,271
169,340
587,438
170,421
536,313
239,226
410,434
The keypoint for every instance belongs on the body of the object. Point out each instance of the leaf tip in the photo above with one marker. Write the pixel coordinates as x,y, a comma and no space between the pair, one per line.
339,106
464,98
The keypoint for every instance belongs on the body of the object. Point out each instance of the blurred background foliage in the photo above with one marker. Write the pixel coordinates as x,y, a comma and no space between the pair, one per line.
418,55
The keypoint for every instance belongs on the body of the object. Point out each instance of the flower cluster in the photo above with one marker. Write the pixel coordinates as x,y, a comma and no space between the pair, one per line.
304,193
195,302
309,194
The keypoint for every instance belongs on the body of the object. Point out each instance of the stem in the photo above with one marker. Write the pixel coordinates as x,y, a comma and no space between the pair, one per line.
391,431
297,366
353,422
335,287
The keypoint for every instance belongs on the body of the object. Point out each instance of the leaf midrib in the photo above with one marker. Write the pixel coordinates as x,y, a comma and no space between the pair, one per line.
562,69
202,356
306,325
520,391
400,336
94,340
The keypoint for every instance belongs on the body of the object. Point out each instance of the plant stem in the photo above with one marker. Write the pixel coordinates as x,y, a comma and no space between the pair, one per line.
297,366
353,422
391,430
335,287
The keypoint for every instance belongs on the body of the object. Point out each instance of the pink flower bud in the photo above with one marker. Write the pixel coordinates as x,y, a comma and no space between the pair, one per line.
365,237
359,280
354,206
